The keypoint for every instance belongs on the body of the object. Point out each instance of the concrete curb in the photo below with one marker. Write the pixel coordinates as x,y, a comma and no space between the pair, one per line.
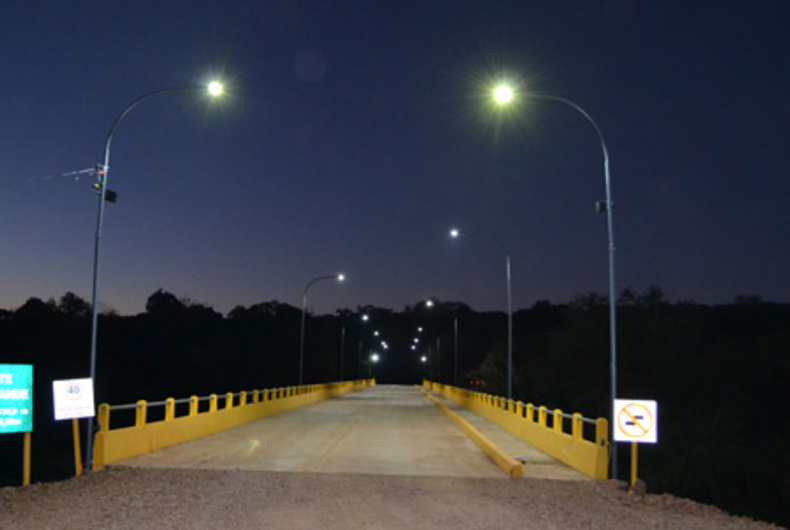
506,463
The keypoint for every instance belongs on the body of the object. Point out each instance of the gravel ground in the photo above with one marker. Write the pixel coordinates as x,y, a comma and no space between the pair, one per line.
144,498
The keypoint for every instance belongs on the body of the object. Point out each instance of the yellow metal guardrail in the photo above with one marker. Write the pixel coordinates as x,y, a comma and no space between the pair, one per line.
571,448
111,445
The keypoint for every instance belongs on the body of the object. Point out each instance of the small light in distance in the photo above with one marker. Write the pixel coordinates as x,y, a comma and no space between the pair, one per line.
455,232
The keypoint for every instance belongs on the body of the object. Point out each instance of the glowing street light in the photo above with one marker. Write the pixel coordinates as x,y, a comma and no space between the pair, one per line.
214,89
337,277
503,94
606,206
373,359
455,233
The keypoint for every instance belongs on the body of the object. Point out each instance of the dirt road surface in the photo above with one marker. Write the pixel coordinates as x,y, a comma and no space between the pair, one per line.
145,498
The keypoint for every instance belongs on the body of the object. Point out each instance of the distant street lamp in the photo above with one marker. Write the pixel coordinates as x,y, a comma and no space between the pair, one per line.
374,358
338,277
504,95
429,303
215,89
364,318
456,233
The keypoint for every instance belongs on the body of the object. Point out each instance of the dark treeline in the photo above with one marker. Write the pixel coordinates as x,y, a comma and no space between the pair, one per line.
720,373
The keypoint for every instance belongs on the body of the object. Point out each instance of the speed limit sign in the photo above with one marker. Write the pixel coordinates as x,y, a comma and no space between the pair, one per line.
73,398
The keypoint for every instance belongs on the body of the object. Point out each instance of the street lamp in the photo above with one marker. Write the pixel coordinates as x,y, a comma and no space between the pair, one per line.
429,303
374,358
215,88
363,319
455,234
500,97
338,277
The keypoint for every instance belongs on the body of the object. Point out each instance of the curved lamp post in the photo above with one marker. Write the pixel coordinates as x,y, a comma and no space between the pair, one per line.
338,277
455,233
215,88
429,303
504,95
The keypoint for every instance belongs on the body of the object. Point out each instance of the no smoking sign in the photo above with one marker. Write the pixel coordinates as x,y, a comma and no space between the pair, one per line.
635,421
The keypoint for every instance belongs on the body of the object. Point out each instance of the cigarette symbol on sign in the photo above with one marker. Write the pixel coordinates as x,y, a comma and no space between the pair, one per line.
635,420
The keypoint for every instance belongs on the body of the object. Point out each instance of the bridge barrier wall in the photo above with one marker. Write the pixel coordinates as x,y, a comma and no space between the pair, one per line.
111,445
571,448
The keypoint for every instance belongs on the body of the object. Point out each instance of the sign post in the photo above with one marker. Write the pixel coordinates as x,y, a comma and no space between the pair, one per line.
73,400
636,421
16,407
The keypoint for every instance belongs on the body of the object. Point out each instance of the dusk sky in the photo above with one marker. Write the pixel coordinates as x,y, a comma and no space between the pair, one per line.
355,134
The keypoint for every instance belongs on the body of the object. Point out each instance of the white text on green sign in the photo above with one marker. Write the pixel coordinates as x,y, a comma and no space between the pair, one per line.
16,398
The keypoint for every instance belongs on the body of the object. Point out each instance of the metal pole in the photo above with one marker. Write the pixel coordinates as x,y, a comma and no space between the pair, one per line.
301,335
342,349
304,312
612,294
509,331
359,361
498,242
103,173
455,346
439,359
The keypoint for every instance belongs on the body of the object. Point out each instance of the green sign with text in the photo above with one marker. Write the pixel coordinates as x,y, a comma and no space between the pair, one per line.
16,398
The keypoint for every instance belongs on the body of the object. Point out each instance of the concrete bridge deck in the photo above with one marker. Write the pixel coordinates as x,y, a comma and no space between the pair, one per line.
383,430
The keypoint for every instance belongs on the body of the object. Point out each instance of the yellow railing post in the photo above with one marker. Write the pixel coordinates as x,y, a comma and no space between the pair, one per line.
530,413
170,409
520,409
140,413
557,420
193,405
103,417
229,400
576,426
256,395
212,403
542,416
601,432
243,398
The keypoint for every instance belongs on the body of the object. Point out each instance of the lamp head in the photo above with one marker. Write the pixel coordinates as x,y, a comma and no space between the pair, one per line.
455,233
341,277
503,94
215,88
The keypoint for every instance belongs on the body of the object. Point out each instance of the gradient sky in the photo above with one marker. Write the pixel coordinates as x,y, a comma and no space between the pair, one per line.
356,133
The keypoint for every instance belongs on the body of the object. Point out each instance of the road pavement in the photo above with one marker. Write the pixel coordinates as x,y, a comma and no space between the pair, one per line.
383,430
